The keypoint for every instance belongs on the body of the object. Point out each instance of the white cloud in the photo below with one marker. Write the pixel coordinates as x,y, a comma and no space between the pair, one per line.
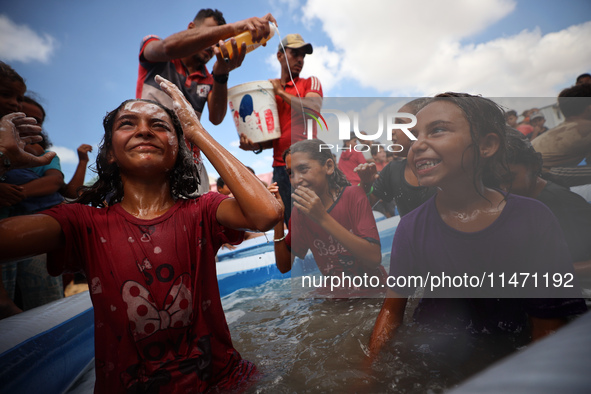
408,47
21,43
325,65
66,155
235,143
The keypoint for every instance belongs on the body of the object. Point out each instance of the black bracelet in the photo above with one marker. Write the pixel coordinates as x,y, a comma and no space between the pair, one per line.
257,151
221,79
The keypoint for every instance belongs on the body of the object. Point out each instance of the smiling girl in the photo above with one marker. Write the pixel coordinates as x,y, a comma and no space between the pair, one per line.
332,218
149,255
470,228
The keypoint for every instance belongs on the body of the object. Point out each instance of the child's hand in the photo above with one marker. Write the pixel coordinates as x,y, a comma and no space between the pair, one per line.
367,172
83,152
274,189
308,202
183,109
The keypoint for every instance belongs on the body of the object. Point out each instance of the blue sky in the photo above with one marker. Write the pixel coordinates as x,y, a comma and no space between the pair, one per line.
80,57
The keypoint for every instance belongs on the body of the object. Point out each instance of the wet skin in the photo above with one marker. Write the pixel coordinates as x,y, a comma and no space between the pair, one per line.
144,139
440,156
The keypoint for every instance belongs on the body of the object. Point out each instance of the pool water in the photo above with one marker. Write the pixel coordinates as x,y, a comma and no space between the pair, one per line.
306,345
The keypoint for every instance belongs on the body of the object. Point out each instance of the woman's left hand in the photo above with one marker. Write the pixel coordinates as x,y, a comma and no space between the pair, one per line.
308,202
183,109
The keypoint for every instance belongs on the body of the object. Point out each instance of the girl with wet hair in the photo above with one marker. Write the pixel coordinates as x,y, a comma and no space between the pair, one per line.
468,228
149,256
184,178
332,218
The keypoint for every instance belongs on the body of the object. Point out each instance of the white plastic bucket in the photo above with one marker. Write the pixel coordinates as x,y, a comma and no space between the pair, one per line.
254,110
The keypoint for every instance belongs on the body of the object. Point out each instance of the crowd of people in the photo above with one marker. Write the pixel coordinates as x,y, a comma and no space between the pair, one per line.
477,185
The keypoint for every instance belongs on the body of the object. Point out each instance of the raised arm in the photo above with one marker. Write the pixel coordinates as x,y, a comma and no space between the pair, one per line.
253,207
368,174
71,189
217,100
311,100
195,38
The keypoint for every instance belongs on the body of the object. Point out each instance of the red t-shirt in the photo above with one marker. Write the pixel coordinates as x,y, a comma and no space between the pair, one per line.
293,127
159,322
347,163
352,211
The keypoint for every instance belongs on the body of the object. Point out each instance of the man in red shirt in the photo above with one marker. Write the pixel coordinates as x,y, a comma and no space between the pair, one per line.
291,91
182,57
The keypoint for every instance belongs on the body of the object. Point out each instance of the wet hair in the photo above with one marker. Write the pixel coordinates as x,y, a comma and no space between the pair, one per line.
574,100
108,189
7,74
520,151
484,116
337,180
209,13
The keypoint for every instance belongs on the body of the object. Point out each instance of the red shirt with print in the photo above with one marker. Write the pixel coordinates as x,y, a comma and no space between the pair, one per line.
159,322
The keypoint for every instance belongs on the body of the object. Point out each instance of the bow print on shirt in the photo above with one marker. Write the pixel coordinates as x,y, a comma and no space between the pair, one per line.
145,317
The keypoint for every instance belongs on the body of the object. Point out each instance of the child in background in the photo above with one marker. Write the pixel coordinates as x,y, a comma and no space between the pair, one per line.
571,210
149,255
71,189
350,159
396,182
332,218
470,228
378,154
222,187
24,191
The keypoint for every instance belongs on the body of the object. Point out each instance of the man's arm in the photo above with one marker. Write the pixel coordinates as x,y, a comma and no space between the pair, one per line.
311,100
247,144
194,39
217,100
